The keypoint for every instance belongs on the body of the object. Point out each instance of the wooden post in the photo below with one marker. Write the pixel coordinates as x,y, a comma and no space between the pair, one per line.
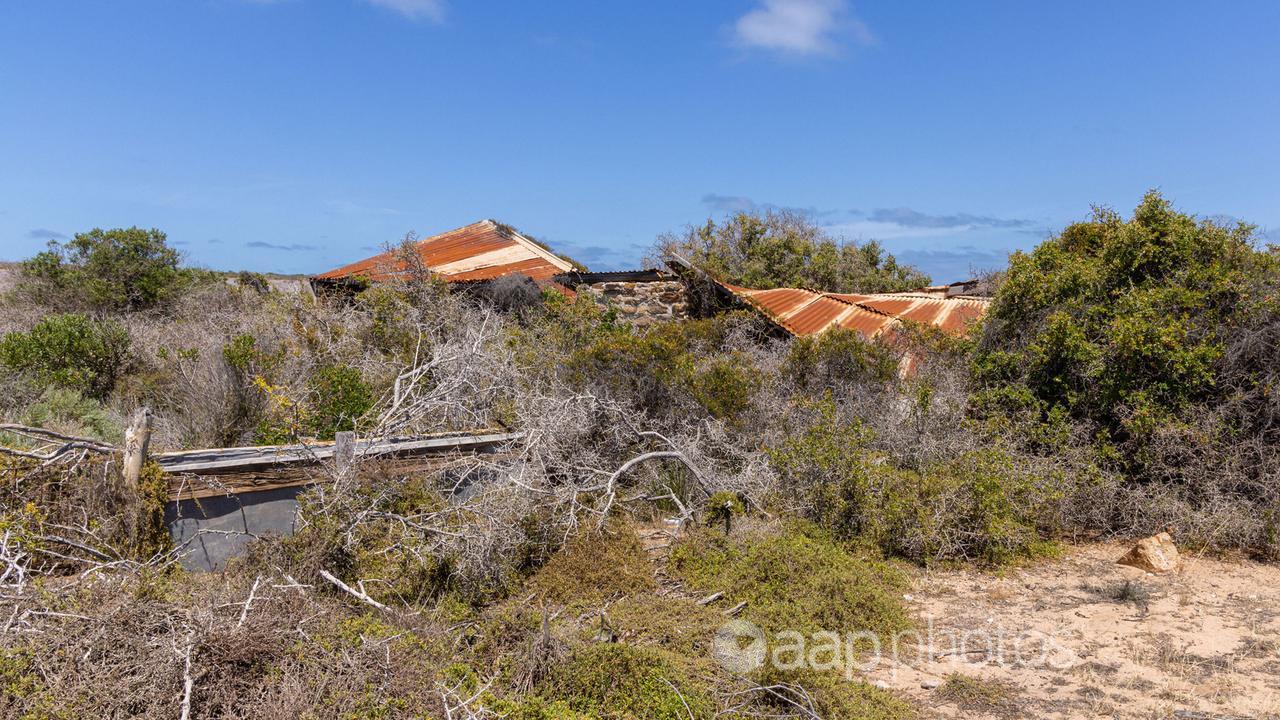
344,451
136,440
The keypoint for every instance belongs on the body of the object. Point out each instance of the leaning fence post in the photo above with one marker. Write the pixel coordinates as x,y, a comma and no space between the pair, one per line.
344,451
136,439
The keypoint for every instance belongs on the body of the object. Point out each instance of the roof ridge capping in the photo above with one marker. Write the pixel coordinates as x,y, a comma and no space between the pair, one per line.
532,245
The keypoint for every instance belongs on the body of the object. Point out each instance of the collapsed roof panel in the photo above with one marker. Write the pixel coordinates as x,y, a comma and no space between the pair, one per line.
801,311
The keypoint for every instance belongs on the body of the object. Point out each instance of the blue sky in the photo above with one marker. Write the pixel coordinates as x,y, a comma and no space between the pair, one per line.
296,135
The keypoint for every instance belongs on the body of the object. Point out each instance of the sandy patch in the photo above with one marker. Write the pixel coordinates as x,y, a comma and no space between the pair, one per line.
1084,637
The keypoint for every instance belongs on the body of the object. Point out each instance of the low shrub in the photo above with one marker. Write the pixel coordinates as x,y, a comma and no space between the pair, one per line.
70,351
594,567
795,577
981,504
617,681
832,695
66,410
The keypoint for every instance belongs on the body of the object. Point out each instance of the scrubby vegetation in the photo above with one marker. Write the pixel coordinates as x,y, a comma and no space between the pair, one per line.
784,248
1124,381
120,270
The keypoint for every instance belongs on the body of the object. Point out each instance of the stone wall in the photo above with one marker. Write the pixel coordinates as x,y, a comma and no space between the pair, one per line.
643,303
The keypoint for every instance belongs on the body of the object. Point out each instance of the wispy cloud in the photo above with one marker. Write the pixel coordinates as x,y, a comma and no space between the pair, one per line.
622,256
728,203
294,247
739,203
800,27
908,218
45,234
954,263
428,10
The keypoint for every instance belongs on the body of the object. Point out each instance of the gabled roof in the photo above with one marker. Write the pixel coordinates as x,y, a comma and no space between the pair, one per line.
479,251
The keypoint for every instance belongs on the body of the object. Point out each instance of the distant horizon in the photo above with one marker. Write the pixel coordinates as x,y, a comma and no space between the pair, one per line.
290,136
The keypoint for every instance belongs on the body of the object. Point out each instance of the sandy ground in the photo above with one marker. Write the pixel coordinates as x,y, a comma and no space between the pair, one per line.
1067,638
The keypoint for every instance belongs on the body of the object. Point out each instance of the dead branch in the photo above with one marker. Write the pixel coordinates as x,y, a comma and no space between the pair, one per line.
249,601
51,445
360,595
188,682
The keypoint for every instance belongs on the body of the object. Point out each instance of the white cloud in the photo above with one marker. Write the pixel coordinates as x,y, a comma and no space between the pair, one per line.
800,27
429,10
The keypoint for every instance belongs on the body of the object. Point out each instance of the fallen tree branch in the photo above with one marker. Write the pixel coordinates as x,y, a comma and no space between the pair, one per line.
188,682
48,437
249,601
358,594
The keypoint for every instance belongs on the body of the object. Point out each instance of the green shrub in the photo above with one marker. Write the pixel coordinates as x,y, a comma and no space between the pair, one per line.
73,413
339,397
121,269
391,320
149,535
70,351
664,366
595,566
977,505
979,696
794,578
787,249
829,465
626,682
837,357
256,282
1121,323
833,695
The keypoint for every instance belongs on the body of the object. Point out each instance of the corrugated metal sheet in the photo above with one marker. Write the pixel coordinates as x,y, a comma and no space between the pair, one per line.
808,312
480,251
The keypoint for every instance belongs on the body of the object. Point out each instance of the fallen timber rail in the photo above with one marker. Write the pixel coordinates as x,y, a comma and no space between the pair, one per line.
220,471
216,459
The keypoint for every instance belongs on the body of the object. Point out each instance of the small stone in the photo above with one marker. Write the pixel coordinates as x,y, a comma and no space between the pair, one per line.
1156,554
930,683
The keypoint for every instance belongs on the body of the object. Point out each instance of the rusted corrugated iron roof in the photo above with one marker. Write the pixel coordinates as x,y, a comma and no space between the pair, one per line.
480,251
807,312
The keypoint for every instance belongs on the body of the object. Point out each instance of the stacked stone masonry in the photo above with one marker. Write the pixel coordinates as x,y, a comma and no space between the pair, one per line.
643,303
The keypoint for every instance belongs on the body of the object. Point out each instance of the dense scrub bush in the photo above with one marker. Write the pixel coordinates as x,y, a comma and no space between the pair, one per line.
1157,336
787,249
983,504
668,365
45,503
120,270
70,351
340,397
1122,323
837,358
595,567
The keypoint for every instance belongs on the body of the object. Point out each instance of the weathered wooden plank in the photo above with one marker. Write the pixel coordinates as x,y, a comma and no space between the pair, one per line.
248,458
186,486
